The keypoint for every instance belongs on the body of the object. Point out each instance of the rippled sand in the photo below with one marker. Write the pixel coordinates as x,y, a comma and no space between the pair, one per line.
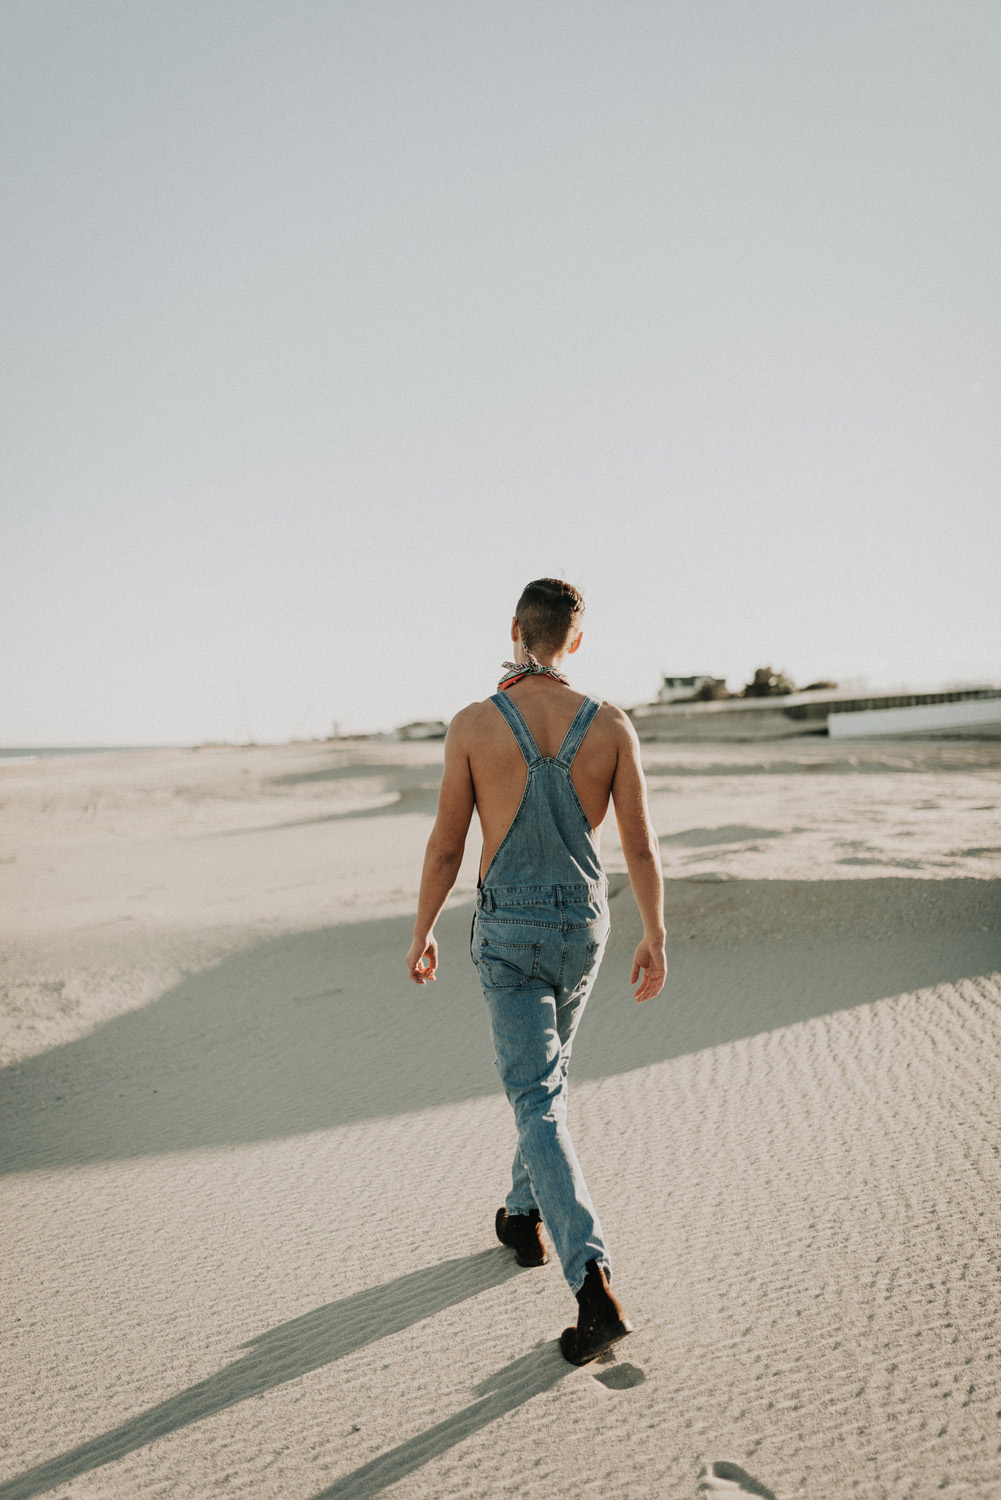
250,1173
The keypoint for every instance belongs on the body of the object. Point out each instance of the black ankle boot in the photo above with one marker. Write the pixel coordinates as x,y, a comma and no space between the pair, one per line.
601,1321
523,1233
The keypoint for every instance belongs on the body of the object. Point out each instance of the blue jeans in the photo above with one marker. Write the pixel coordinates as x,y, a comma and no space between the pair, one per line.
537,951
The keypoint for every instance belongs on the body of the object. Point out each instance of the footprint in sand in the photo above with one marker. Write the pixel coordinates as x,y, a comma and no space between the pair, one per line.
730,1479
618,1377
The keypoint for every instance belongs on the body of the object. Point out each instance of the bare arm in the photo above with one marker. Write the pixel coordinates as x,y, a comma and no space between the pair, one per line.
642,854
443,855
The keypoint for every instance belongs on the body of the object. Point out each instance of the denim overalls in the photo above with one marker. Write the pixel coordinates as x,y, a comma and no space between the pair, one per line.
538,936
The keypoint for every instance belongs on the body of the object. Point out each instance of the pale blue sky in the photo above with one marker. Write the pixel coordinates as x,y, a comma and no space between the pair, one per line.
326,326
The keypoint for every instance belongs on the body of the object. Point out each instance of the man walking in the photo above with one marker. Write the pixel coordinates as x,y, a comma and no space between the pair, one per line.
540,763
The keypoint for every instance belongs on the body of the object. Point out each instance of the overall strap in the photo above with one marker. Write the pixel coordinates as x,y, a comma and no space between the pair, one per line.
577,731
518,727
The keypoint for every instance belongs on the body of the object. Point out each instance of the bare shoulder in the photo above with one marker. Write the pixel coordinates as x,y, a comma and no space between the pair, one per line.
471,723
616,724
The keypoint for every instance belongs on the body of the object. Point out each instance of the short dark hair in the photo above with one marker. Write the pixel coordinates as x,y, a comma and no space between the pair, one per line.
548,613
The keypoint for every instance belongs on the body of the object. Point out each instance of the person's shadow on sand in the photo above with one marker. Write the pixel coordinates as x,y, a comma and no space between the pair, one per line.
318,1338
517,1383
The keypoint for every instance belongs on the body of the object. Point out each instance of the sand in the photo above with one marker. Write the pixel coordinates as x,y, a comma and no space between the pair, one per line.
249,1173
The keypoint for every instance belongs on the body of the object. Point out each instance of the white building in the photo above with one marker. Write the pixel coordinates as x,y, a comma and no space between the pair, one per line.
977,718
674,688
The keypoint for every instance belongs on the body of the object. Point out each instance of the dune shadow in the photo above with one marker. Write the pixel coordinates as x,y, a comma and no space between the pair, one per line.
401,773
409,788
732,833
420,798
285,1353
321,1028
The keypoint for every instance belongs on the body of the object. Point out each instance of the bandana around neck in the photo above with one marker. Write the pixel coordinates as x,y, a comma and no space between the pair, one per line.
530,668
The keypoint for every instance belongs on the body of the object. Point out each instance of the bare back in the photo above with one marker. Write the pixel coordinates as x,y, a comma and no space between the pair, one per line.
485,771
497,766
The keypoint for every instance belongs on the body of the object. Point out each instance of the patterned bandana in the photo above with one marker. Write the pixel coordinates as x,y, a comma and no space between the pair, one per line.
519,669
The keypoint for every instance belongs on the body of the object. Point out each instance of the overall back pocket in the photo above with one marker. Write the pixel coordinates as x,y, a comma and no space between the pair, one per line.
507,966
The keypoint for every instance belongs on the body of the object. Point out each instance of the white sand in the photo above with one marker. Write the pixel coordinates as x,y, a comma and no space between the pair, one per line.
250,1172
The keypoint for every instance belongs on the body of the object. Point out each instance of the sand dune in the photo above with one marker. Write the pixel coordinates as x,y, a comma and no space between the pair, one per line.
249,1174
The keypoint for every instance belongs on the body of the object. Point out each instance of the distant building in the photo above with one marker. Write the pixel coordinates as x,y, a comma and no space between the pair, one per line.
675,688
423,729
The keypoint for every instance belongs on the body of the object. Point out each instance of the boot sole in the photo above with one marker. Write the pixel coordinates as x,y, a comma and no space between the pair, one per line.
601,1340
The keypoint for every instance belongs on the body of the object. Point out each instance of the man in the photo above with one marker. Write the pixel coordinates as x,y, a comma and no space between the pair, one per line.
539,762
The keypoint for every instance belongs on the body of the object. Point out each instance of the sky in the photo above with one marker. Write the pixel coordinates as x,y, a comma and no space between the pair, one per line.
327,326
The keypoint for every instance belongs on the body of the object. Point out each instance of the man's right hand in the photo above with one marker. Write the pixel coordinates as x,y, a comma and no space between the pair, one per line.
651,960
422,959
